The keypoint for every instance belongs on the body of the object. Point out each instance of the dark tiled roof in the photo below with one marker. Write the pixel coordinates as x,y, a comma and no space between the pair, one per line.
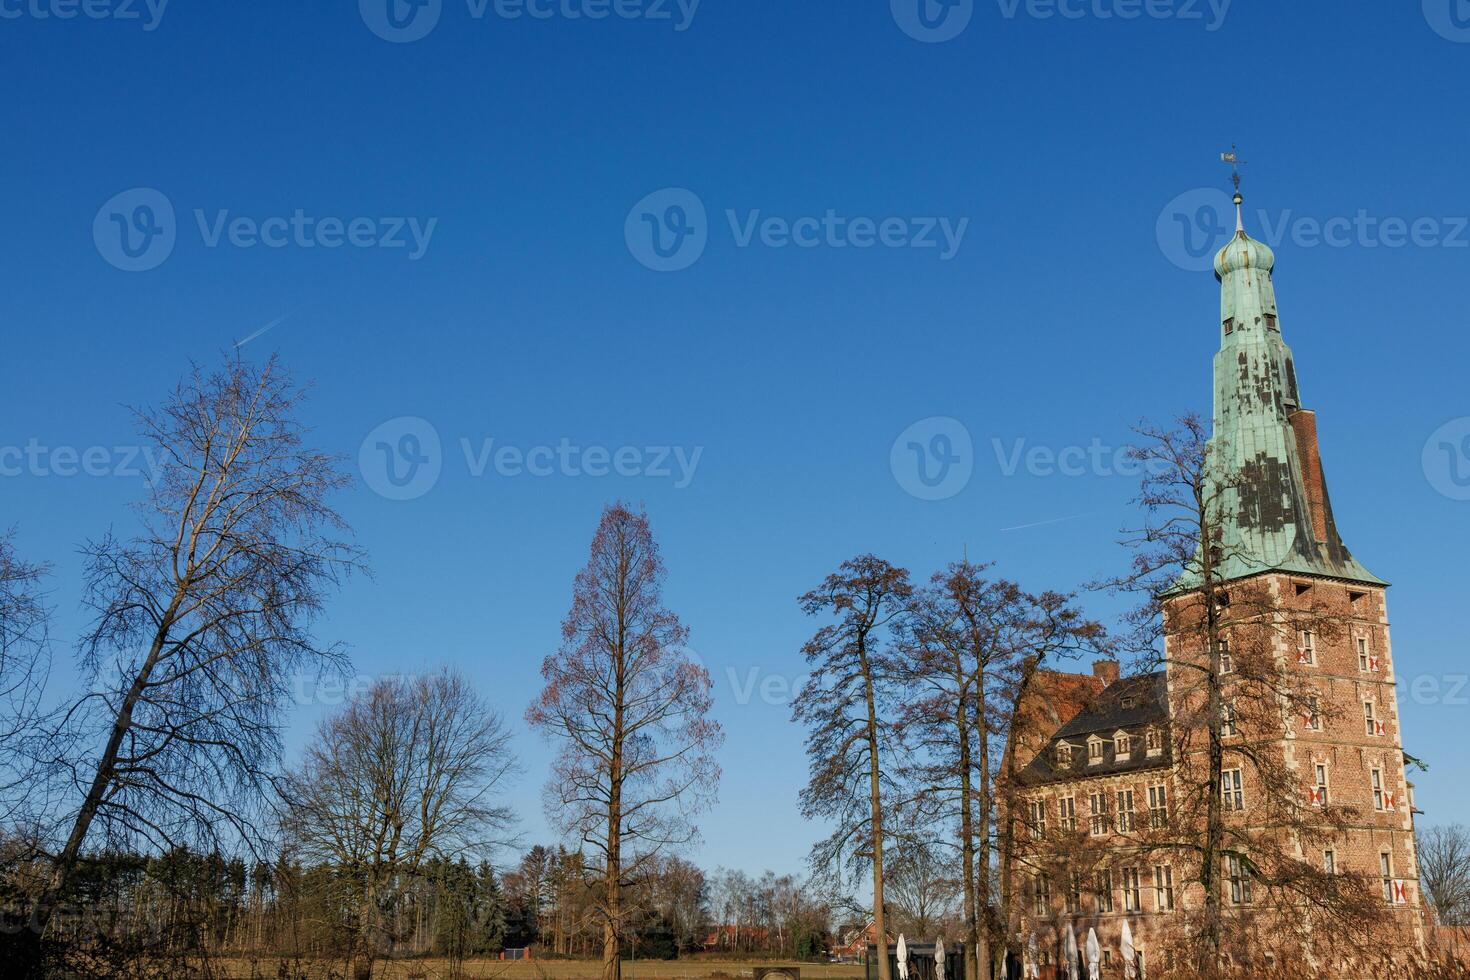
1133,705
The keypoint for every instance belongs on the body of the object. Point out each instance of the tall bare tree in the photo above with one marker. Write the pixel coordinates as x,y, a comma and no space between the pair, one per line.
849,706
411,771
630,711
973,645
24,668
201,619
1444,870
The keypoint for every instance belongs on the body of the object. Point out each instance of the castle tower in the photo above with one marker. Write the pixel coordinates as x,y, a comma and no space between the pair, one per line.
1278,533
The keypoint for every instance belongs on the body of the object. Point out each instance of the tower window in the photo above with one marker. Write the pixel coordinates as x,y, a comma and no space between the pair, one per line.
1271,322
1230,326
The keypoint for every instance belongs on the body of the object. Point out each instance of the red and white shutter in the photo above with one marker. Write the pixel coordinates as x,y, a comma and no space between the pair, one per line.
1400,893
1304,656
1373,664
1378,728
1314,796
1388,800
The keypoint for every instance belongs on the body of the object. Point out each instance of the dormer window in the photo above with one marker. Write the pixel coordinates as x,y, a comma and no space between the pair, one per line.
1122,746
1154,742
1094,750
1064,755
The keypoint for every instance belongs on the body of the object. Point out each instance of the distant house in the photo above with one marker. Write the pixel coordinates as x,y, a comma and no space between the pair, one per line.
854,943
735,938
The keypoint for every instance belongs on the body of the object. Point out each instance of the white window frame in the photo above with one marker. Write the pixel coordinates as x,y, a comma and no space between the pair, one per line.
1132,893
1163,888
1158,806
1067,814
1232,787
1124,814
1307,649
1239,876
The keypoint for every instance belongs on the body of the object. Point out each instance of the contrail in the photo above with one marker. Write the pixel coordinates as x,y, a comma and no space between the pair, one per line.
1054,520
269,326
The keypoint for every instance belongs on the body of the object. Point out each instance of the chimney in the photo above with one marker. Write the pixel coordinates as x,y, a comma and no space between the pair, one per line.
1105,671
1304,425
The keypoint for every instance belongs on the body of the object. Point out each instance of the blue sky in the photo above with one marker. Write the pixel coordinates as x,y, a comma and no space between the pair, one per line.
1063,305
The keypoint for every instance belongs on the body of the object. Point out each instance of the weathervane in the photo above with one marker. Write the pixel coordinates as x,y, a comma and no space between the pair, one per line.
1232,157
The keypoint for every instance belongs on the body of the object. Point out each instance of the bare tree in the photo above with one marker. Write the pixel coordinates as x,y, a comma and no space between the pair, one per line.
410,772
201,619
923,887
24,667
631,713
849,706
974,644
1444,870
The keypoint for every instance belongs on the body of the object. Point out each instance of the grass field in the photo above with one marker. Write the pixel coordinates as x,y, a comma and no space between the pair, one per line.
431,969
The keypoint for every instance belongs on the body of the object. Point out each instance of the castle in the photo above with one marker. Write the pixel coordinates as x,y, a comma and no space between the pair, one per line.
1112,776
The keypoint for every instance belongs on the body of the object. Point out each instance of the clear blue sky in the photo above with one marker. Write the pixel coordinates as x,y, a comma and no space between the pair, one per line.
530,318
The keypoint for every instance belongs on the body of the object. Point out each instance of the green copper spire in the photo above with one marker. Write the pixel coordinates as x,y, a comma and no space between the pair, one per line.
1277,516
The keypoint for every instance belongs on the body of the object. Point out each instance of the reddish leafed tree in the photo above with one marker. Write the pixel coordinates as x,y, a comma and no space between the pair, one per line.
630,710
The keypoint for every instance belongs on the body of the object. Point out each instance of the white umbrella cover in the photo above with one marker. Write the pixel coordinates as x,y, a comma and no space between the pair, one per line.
903,958
1094,956
1070,948
939,959
1130,969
